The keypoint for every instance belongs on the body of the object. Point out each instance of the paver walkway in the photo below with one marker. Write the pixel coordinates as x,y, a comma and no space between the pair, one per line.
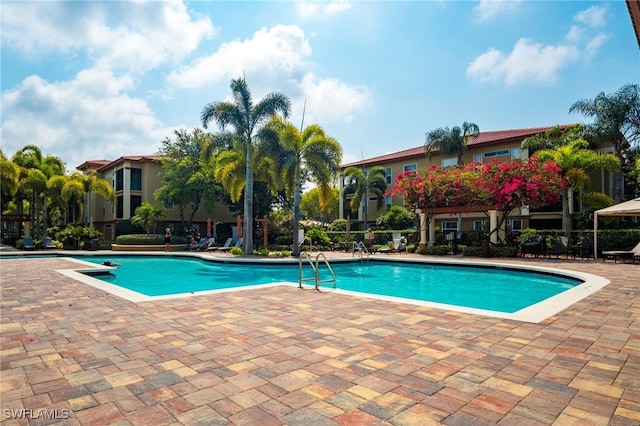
281,355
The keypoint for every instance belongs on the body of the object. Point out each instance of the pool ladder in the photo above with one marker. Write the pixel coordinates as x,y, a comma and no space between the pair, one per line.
315,265
358,246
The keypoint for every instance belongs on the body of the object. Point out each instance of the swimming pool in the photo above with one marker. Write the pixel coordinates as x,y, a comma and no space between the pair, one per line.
517,292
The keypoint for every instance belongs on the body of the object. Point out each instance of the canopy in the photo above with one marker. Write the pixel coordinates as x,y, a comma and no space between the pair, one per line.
628,208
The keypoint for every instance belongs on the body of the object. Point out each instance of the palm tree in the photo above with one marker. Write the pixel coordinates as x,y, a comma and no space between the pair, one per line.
449,142
361,184
309,155
246,118
9,180
615,120
82,188
452,141
576,160
147,215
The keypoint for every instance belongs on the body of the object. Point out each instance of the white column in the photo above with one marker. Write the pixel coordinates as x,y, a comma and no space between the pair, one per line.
423,229
432,230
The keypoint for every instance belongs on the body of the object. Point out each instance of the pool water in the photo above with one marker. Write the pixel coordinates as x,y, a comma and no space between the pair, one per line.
495,289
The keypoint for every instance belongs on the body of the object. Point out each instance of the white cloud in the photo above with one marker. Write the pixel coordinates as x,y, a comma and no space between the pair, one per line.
527,62
282,49
330,100
534,62
90,117
147,34
487,9
321,10
594,17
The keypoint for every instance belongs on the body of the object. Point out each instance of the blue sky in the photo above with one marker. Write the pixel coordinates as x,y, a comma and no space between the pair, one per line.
98,80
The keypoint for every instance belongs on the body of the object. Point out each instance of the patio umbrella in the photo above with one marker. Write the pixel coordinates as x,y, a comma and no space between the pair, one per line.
628,208
239,225
209,228
348,225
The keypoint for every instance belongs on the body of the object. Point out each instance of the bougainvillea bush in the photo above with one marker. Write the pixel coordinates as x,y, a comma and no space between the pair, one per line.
503,186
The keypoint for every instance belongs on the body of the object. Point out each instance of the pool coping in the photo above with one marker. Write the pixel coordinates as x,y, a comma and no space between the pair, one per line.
535,313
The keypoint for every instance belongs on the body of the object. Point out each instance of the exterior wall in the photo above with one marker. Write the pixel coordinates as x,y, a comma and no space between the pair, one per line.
104,213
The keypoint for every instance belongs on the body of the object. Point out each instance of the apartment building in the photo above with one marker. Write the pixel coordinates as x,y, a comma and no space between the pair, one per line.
503,145
134,180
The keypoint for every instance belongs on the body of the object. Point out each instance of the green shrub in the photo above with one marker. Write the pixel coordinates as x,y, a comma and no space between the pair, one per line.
503,251
237,251
472,251
261,252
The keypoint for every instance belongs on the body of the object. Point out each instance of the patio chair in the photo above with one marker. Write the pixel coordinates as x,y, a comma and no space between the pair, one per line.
560,246
206,244
223,247
47,243
623,255
535,246
584,250
27,243
228,248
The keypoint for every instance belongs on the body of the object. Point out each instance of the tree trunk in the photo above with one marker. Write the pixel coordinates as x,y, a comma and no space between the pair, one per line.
247,242
296,212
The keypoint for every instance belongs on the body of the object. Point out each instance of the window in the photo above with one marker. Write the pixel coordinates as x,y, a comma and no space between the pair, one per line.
515,153
496,153
136,179
119,207
387,202
410,167
169,206
449,226
119,180
477,158
387,173
480,225
136,201
449,162
514,225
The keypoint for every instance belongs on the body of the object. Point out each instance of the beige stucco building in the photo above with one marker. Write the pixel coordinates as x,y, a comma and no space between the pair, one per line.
134,180
503,145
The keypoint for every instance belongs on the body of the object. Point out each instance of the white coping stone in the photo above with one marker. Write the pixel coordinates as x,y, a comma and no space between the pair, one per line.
534,313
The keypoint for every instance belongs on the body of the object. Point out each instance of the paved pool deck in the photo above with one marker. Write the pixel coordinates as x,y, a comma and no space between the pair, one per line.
72,354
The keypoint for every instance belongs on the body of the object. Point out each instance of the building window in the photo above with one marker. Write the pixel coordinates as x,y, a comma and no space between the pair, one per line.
480,225
169,206
477,158
515,153
388,202
514,225
119,207
136,201
498,153
449,226
387,173
120,180
136,179
410,167
449,162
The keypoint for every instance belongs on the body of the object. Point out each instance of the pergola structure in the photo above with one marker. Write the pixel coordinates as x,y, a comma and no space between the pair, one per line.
628,208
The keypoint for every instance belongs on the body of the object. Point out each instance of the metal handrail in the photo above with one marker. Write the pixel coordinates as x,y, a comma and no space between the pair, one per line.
326,262
300,279
316,270
361,248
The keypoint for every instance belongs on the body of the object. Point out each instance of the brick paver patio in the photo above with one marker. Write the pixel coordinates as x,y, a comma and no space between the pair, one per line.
281,355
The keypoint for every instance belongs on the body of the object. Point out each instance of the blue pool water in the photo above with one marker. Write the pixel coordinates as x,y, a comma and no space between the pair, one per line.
496,289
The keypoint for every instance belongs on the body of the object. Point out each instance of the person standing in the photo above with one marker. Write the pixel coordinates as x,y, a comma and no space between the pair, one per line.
167,239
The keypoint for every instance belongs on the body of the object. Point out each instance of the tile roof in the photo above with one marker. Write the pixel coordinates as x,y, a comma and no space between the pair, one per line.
101,164
483,138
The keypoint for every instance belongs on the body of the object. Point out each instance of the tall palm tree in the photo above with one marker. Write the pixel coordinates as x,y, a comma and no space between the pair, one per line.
9,180
615,120
576,160
82,188
374,181
307,155
451,141
246,118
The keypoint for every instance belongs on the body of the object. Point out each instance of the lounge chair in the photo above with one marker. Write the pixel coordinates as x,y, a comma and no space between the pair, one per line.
623,255
27,243
560,246
237,244
584,250
47,243
535,246
224,247
205,245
